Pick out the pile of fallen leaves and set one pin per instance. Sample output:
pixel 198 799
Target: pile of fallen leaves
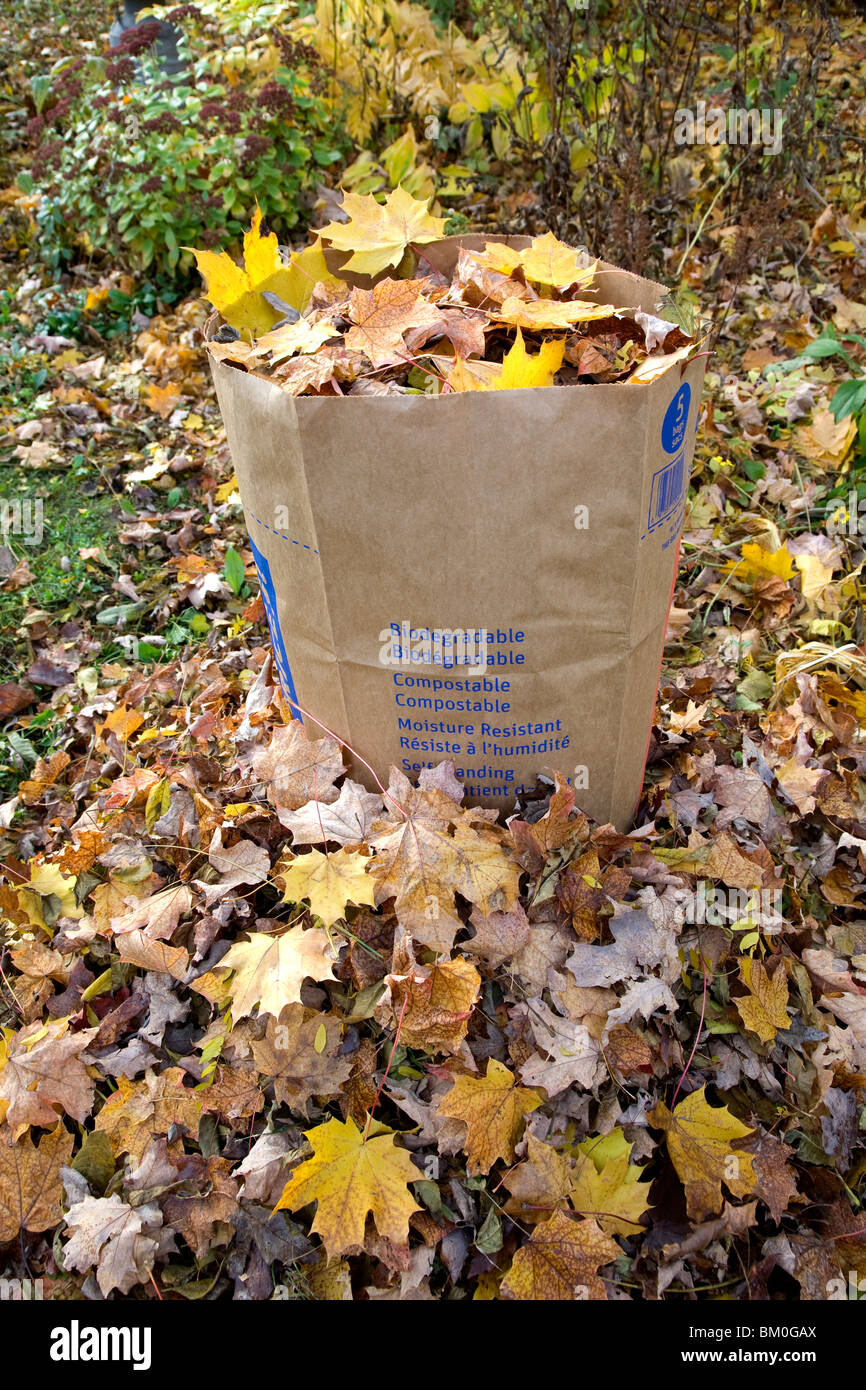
pixel 298 322
pixel 281 1035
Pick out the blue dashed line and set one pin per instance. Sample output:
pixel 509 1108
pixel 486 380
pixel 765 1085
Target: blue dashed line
pixel 282 535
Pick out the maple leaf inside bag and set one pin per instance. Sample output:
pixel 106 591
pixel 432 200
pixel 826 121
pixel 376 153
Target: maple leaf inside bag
pixel 483 576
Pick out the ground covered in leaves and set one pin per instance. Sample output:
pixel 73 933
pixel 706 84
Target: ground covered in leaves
pixel 267 1033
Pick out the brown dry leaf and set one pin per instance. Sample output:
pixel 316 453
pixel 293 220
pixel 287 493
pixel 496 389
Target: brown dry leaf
pixel 572 1051
pixel 31 1188
pixel 741 795
pixel 584 892
pixel 435 1003
pixel 298 769
pixel 561 1261
pixel 44 1070
pixel 137 948
pixel 302 374
pixel 542 1184
pixel 499 936
pixel 139 1111
pixel 382 315
pixel 424 858
pixel 45 774
pixel 557 829
pixel 235 1093
pixel 299 1053
pixel 776 1180
pixel 207 1218
pixel 347 820
pixel 494 1111
pixel 40 968
pixel 730 864
pixel 157 916
pixel 700 1143
pixel 463 329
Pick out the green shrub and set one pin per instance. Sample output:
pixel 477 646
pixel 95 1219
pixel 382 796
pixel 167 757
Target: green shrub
pixel 128 155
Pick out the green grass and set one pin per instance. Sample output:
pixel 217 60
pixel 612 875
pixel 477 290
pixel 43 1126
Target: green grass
pixel 64 585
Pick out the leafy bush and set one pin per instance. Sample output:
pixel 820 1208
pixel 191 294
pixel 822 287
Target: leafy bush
pixel 127 154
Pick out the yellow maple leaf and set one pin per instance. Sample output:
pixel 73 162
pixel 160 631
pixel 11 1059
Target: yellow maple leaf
pixel 329 881
pixel 349 1178
pixel 307 269
pixel 519 369
pixel 162 400
pixel 378 234
pixel 827 440
pixel 237 292
pixel 549 261
pixel 763 564
pixel 271 969
pixel 493 1110
pixel 222 494
pixel 607 1186
pixel 560 1261
pixel 303 336
pixel 48 881
pixel 765 1007
pixel 540 314
pixel 700 1140
pixel 815 578
pixel 498 256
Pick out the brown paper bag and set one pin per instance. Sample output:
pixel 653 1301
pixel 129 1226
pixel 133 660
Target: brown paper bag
pixel 484 576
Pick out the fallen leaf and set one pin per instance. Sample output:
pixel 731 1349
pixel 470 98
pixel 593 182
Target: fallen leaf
pixel 382 315
pixel 700 1143
pixel 561 1260
pixel 494 1111
pixel 349 1178
pixel 329 882
pixel 44 1070
pixel 269 970
pixel 765 1007
pixel 108 1233
pixel 31 1187
pixel 378 234
pixel 297 769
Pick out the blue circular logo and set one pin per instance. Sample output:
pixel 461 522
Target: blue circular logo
pixel 676 419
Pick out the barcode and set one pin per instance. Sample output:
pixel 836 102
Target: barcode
pixel 668 487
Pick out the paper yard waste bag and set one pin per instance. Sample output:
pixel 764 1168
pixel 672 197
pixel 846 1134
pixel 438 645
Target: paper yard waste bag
pixel 481 576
